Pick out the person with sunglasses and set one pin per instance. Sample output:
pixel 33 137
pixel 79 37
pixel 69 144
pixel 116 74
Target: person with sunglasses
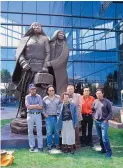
pixel 51 107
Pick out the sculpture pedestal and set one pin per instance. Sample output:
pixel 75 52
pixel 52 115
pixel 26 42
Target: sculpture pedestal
pixel 12 140
pixel 19 126
pixel 77 139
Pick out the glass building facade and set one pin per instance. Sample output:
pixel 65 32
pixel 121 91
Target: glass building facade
pixel 94 32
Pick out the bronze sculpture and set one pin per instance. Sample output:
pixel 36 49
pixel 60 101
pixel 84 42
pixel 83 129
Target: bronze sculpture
pixel 31 55
pixel 57 64
pixel 38 62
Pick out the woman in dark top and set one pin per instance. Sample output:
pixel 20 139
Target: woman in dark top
pixel 67 122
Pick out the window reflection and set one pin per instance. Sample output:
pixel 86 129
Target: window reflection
pixel 94 55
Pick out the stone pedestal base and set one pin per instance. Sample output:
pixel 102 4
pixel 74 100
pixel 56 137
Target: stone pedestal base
pixel 19 126
pixel 12 140
pixel 77 139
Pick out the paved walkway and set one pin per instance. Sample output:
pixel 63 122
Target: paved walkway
pixel 8 112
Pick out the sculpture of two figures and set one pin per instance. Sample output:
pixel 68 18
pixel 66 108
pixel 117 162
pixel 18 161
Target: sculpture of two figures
pixel 41 62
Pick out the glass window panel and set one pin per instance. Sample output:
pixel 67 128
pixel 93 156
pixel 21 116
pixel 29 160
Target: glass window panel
pixel 56 7
pixel 69 39
pixel 121 38
pixel 12 35
pixel 85 22
pixel 11 6
pixel 110 11
pixel 4 53
pixel 25 29
pixel 87 39
pixel 3 29
pixel 57 20
pixel 14 18
pixel 70 56
pixel 100 45
pixel 51 31
pixel 96 8
pixel 88 10
pixel 119 9
pixel 98 23
pixel 67 21
pixel 87 56
pixel 29 6
pixel 109 24
pixel 70 71
pixel 43 7
pixel 7 53
pixel 4 5
pixel 77 70
pixel 77 55
pixel 111 41
pixel 3 42
pixel 76 7
pixel 14 6
pixel 67 7
pixel 76 22
pixel 9 65
pixel 3 18
pixel 29 19
pixel 100 56
pixel 43 20
pixel 112 56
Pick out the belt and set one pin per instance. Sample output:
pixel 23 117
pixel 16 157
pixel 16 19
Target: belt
pixel 35 113
pixel 52 115
pixel 99 119
pixel 87 114
pixel 67 120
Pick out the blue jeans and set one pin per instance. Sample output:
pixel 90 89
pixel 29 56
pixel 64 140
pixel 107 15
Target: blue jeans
pixel 51 122
pixel 102 131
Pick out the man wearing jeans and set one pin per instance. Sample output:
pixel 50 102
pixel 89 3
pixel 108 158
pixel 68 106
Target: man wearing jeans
pixel 34 106
pixel 102 112
pixel 51 110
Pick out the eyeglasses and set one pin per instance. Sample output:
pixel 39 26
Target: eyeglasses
pixel 51 90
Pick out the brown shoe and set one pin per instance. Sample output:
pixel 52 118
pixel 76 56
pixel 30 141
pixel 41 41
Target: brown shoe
pixel 65 149
pixel 72 149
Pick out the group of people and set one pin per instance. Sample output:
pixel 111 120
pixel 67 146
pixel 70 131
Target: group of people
pixel 66 115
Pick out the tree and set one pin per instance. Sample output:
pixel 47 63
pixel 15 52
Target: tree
pixel 6 79
pixel 5 76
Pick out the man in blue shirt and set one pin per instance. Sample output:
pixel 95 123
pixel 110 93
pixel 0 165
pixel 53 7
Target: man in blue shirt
pixel 102 113
pixel 51 111
pixel 34 106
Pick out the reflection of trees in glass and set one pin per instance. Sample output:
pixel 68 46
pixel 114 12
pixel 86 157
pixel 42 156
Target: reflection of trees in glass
pixel 110 87
pixel 79 85
pixel 5 76
pixel 7 95
pixel 6 79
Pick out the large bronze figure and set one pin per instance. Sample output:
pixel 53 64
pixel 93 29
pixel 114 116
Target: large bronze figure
pixel 38 61
pixel 59 57
pixel 31 56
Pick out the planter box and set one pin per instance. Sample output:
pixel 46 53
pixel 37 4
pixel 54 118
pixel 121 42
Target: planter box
pixel 115 124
